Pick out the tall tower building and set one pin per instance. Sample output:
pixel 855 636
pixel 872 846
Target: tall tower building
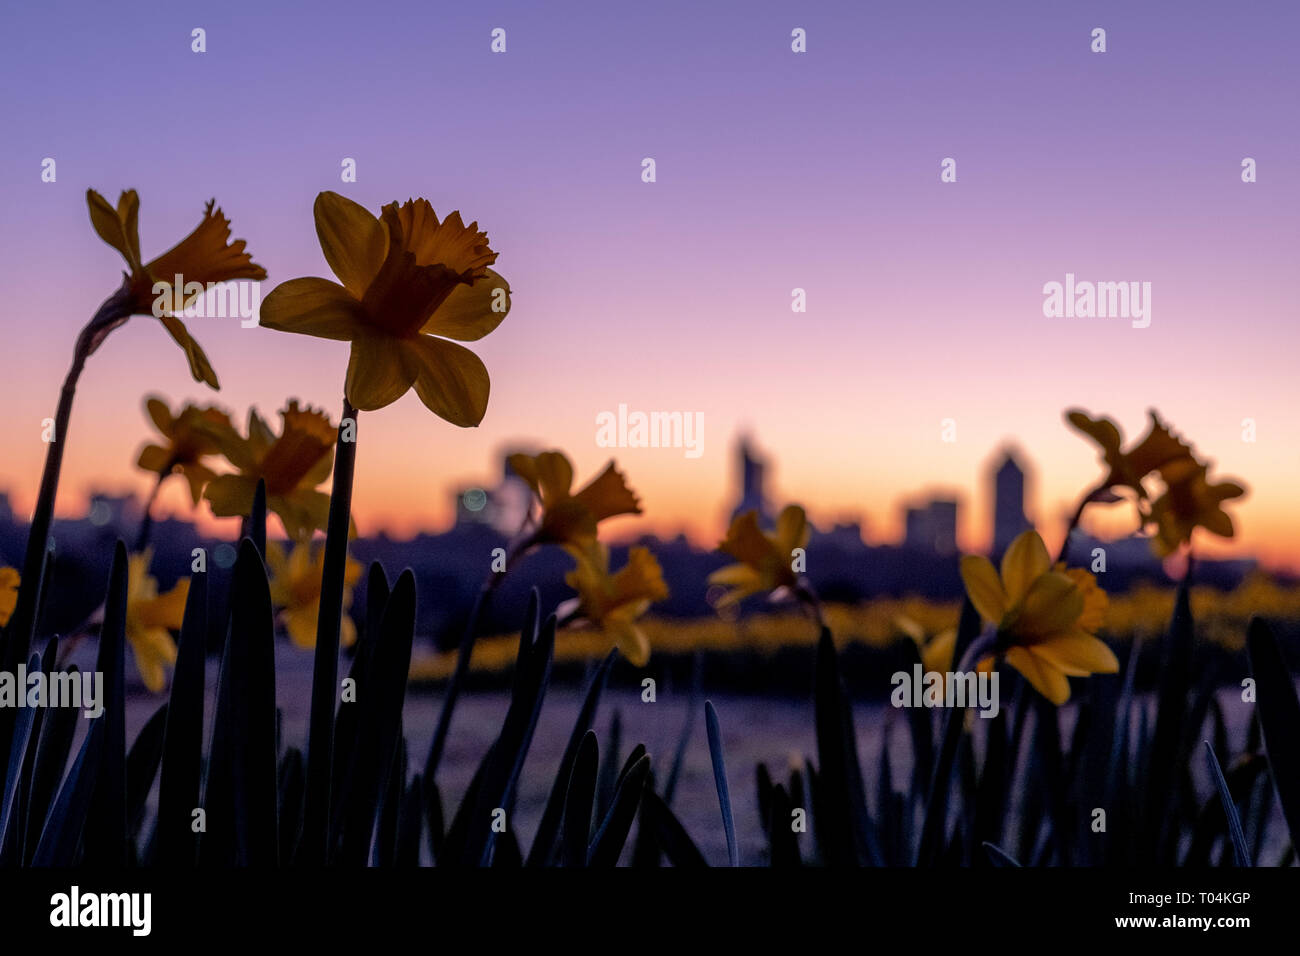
pixel 752 496
pixel 1008 502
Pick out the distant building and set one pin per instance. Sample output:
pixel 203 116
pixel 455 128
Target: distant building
pixel 932 527
pixel 1008 502
pixel 752 496
pixel 502 508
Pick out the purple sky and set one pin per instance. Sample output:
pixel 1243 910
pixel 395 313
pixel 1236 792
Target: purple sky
pixel 775 171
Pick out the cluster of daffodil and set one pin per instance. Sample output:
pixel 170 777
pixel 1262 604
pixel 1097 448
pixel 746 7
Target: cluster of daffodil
pixel 613 602
pixel 292 465
pixel 1046 617
pixel 205 256
pixel 1186 498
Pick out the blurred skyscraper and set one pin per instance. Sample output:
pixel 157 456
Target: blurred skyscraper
pixel 752 496
pixel 1008 502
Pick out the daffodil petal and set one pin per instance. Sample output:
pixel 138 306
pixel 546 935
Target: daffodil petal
pixel 450 379
pixel 471 311
pixel 230 496
pixel 746 542
pixel 791 529
pixel 631 641
pixel 200 367
pixel 1078 654
pixel 983 587
pixel 108 226
pixel 354 240
pixel 153 458
pixel 1054 604
pixel 1025 561
pixel 300 623
pixel 378 373
pixel 313 307
pixel 736 575
pixel 1045 678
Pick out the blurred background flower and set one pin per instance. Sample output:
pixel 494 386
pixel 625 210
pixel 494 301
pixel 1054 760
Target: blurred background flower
pixel 296 590
pixel 569 518
pixel 150 619
pixel 292 464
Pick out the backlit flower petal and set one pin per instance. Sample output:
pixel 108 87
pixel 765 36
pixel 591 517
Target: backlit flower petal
pixel 377 374
pixel 1045 678
pixel 111 226
pixel 746 542
pixel 1025 561
pixel 792 530
pixel 549 474
pixel 313 307
pixel 230 496
pixel 1054 604
pixel 1078 654
pixel 471 311
pixel 983 587
pixel 200 367
pixel 354 241
pixel 450 379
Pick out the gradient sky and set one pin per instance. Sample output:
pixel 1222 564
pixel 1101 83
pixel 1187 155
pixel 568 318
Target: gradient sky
pixel 775 171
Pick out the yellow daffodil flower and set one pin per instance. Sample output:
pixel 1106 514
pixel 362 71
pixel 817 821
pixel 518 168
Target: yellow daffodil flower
pixel 9 580
pixel 188 440
pixel 765 559
pixel 1046 617
pixel 613 602
pixel 296 587
pixel 292 464
pixel 150 619
pixel 1158 448
pixel 205 256
pixel 570 518
pixel 410 284
pixel 1190 501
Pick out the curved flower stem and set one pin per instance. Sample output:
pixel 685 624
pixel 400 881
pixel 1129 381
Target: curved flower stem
pixel 146 521
pixel 1074 521
pixel 22 625
pixel 313 849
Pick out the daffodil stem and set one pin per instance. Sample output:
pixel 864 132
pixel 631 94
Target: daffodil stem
pixel 22 624
pixel 1074 522
pixel 146 520
pixel 313 849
